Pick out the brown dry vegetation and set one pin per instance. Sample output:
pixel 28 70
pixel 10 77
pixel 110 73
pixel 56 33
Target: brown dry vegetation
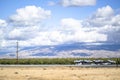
pixel 58 73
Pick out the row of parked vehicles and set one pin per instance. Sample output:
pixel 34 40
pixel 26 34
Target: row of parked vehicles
pixel 94 62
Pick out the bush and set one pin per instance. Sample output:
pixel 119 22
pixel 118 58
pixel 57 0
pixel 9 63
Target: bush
pixel 52 60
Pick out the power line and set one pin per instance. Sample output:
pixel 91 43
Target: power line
pixel 17 51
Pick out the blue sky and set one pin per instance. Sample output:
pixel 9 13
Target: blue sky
pixel 54 22
pixel 9 7
pixel 58 12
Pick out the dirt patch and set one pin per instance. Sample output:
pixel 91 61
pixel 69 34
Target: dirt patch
pixel 59 73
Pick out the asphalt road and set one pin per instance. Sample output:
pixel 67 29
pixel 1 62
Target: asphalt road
pixel 59 65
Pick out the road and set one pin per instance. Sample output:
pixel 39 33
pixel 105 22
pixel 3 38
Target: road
pixel 59 65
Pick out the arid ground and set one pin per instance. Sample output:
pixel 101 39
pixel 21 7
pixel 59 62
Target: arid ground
pixel 58 73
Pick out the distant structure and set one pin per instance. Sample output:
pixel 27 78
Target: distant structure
pixel 94 62
pixel 17 52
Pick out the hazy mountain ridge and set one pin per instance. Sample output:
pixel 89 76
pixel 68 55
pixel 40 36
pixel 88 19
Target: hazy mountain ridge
pixel 69 50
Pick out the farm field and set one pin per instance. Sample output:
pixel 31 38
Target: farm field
pixel 58 73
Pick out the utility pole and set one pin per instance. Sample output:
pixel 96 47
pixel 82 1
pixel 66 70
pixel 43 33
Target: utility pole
pixel 17 52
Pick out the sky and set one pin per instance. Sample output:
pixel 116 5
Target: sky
pixel 54 22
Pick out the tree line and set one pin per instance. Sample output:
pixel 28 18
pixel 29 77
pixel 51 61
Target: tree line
pixel 52 61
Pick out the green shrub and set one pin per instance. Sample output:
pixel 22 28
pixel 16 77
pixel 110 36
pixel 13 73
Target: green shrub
pixel 51 60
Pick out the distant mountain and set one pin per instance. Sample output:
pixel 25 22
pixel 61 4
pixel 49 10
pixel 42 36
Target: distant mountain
pixel 70 50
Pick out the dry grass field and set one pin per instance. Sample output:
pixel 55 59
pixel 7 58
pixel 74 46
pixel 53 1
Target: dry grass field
pixel 58 73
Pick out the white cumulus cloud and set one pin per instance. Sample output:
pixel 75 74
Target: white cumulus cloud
pixel 30 15
pixel 69 23
pixel 106 11
pixel 23 33
pixel 76 30
pixel 67 3
pixel 101 17
pixel 3 23
pixel 105 21
pixel 70 30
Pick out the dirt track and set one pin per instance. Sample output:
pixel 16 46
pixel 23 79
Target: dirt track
pixel 58 73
